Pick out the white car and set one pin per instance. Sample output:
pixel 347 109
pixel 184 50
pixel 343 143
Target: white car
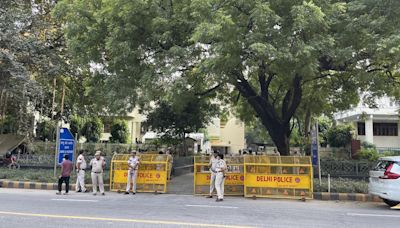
pixel 384 180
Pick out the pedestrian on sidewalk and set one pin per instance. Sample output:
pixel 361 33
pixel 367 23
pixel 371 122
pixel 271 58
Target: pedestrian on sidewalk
pixel 98 164
pixel 220 168
pixel 66 169
pixel 133 164
pixel 212 166
pixel 80 172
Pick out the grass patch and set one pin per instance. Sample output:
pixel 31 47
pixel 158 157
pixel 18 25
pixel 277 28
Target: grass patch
pixel 341 185
pixel 43 175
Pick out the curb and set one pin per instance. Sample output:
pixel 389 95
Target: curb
pixel 317 195
pixel 346 197
pixel 41 186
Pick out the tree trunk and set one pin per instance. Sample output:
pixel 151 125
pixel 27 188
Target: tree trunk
pixel 276 122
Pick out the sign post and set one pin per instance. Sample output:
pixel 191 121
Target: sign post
pixel 66 145
pixel 314 149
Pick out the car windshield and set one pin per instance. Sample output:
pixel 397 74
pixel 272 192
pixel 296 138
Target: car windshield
pixel 382 165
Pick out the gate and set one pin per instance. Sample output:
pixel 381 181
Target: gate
pixel 152 173
pixel 234 179
pixel 278 177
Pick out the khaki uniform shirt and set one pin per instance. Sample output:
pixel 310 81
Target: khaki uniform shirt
pixel 97 165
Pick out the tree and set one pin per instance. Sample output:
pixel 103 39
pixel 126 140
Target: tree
pixel 46 130
pixel 92 129
pixel 119 131
pixel 278 58
pixel 181 114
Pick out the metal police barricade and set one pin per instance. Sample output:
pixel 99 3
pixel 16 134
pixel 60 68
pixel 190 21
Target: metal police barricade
pixel 151 177
pixel 234 178
pixel 278 177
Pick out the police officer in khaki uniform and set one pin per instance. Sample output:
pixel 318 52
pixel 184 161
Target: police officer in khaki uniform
pixel 133 164
pixel 212 166
pixel 98 164
pixel 220 168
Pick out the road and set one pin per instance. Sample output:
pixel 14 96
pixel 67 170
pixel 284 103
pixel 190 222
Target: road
pixel 40 208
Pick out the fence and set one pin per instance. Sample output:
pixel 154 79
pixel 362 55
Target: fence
pixel 152 173
pixel 349 169
pixel 234 177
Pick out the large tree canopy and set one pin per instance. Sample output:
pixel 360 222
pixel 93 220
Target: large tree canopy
pixel 273 59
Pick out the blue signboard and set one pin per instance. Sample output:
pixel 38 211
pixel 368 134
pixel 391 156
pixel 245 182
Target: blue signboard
pixel 314 146
pixel 66 145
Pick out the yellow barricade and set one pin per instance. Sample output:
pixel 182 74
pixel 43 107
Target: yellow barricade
pixel 278 177
pixel 152 173
pixel 234 179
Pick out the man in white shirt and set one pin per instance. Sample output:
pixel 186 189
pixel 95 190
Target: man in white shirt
pixel 80 172
pixel 212 165
pixel 133 164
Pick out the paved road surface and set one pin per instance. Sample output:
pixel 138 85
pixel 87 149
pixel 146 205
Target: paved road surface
pixel 39 208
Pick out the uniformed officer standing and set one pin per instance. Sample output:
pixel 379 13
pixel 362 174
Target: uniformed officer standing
pixel 220 168
pixel 80 172
pixel 98 163
pixel 212 165
pixel 133 164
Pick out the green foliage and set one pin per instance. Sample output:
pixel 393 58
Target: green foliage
pixel 256 133
pixel 92 129
pixel 182 113
pixel 368 145
pixel 76 125
pixel 340 135
pixel 272 59
pixel 342 185
pixel 324 124
pixel 369 154
pixel 119 131
pixel 46 130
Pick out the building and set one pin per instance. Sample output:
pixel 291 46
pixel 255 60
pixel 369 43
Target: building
pixel 378 125
pixel 134 120
pixel 226 135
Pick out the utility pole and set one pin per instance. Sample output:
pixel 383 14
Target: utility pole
pixel 59 123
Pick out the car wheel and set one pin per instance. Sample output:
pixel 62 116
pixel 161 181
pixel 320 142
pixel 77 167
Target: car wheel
pixel 390 202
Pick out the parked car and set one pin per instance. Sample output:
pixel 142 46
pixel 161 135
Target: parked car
pixel 384 180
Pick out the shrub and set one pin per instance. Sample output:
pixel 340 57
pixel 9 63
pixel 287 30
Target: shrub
pixel 340 136
pixel 92 129
pixel 369 154
pixel 119 131
pixel 46 130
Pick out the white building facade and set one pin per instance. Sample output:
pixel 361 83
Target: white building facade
pixel 379 125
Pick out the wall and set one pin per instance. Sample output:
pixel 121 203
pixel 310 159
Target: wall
pixel 233 135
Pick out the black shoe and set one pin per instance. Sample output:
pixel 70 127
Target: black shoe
pixel 103 194
pixel 208 196
pixel 126 193
pixel 79 190
pixel 86 191
pixel 133 193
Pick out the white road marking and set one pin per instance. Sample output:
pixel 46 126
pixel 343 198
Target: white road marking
pixel 210 206
pixel 75 200
pixel 373 215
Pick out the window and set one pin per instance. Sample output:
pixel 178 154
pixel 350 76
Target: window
pixel 361 128
pixel 385 129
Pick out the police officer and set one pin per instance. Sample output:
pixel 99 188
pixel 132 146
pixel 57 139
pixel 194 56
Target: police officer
pixel 133 164
pixel 80 172
pixel 220 168
pixel 98 164
pixel 212 165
